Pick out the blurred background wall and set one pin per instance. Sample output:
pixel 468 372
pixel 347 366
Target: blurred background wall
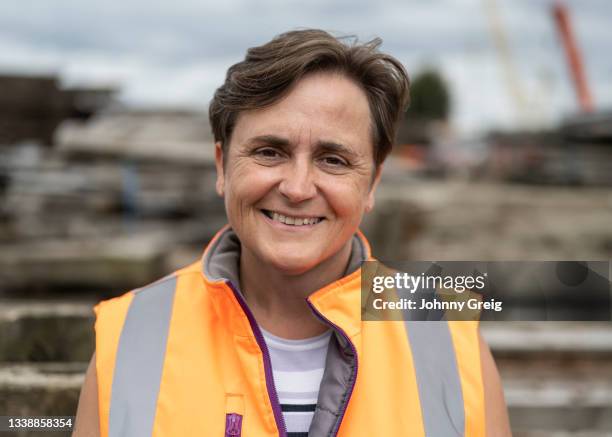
pixel 107 171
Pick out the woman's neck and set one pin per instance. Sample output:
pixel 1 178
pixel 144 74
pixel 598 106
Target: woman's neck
pixel 278 299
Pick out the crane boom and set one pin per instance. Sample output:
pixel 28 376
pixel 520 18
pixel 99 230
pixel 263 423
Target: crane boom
pixel 572 54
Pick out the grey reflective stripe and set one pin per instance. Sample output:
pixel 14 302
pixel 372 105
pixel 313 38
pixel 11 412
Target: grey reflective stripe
pixel 438 378
pixel 140 359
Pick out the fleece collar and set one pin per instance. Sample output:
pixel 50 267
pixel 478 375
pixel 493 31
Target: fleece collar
pixel 338 301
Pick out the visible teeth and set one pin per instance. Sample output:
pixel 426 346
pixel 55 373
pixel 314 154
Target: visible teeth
pixel 295 221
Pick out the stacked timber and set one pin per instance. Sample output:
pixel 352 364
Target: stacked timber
pixel 31 107
pixel 110 205
pixel 578 152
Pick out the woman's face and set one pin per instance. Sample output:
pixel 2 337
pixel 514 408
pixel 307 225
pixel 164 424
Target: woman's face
pixel 299 175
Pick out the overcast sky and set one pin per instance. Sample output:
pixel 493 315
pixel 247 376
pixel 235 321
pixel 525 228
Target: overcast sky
pixel 175 53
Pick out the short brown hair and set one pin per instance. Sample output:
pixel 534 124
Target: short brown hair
pixel 268 73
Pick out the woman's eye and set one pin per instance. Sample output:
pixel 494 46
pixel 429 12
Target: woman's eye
pixel 334 161
pixel 267 153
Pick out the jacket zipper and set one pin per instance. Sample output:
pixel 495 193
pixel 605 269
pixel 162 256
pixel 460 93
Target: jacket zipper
pixel 271 388
pixel 233 425
pixel 353 375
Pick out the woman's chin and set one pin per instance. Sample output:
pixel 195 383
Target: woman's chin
pixel 293 264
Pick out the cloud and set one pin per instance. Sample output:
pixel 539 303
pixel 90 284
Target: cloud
pixel 176 53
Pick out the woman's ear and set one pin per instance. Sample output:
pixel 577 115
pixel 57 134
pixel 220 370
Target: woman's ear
pixel 369 206
pixel 220 184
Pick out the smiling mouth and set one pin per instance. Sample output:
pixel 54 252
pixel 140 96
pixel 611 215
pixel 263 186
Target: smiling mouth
pixel 292 220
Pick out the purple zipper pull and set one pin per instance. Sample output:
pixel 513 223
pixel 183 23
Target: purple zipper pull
pixel 233 425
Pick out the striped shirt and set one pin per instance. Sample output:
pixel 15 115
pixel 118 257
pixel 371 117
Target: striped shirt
pixel 297 366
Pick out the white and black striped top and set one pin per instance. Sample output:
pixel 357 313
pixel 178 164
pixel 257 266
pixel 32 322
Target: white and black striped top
pixel 297 366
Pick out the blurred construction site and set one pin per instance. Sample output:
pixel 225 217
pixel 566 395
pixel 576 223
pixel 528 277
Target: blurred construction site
pixel 97 198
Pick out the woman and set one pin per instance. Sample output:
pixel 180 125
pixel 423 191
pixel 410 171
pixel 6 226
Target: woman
pixel 263 336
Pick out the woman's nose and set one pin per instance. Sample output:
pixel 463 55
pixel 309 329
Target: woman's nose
pixel 298 183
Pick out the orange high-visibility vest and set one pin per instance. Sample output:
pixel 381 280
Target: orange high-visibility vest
pixel 184 357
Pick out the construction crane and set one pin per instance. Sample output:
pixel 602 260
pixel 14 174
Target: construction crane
pixel 572 54
pixel 507 62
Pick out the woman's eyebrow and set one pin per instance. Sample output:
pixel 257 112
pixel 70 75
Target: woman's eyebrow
pixel 270 140
pixel 330 146
pixel 284 143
